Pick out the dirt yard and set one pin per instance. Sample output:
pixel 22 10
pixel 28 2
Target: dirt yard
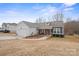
pixel 4 36
pixel 50 47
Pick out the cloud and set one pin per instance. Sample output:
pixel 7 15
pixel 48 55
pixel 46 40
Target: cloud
pixel 69 4
pixel 11 12
pixel 68 9
pixel 48 10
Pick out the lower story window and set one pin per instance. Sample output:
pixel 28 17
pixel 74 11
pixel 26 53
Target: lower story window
pixel 57 30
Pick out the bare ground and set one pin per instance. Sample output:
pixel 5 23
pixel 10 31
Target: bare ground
pixel 54 46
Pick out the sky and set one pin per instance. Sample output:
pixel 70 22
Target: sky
pixel 16 12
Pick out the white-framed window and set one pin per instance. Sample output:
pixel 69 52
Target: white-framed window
pixel 57 30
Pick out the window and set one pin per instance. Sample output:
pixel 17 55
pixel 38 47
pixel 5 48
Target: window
pixel 54 31
pixel 57 30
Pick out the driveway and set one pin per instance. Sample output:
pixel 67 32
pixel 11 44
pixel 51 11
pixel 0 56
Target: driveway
pixel 10 36
pixel 4 36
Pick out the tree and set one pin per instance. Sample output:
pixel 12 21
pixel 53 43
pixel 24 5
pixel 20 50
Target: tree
pixel 72 27
pixel 58 17
pixel 39 20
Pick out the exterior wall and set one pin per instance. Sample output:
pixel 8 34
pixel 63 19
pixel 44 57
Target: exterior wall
pixel 11 28
pixel 24 31
pixel 4 26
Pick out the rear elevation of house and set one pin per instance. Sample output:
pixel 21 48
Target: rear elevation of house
pixel 55 28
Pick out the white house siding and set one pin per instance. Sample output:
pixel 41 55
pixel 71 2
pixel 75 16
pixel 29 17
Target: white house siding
pixel 24 30
pixel 33 31
pixel 11 28
pixel 4 26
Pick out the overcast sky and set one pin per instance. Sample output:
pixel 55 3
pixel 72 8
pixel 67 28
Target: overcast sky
pixel 16 12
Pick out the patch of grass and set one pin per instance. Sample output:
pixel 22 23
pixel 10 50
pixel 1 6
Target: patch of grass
pixel 74 38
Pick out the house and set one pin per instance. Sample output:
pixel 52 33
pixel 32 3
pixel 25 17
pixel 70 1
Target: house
pixel 9 26
pixel 25 29
pixel 55 28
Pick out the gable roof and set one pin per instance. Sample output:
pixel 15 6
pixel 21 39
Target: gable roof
pixel 46 25
pixel 9 24
pixel 29 24
pixel 57 24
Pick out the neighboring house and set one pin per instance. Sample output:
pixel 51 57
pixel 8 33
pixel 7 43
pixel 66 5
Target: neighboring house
pixel 1 29
pixel 25 29
pixel 9 26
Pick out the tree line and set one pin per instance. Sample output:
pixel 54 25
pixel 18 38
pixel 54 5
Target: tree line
pixel 71 27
